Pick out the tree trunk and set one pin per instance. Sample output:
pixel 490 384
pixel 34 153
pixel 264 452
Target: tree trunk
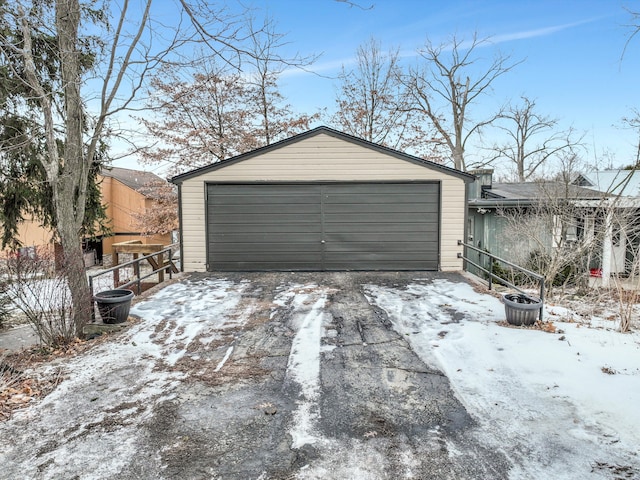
pixel 458 158
pixel 70 183
pixel 521 177
pixel 73 265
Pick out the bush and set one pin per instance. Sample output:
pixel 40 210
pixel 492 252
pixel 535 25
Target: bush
pixel 542 263
pixel 505 272
pixel 5 303
pixel 43 296
pixel 510 274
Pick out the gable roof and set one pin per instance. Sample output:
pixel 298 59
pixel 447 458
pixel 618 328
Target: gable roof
pixel 615 182
pixel 134 179
pixel 311 133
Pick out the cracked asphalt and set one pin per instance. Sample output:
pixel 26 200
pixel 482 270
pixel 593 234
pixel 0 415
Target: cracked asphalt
pixel 382 412
pixel 302 378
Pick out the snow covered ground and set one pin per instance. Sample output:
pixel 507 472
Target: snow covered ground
pixel 561 405
pixel 554 403
pixel 49 293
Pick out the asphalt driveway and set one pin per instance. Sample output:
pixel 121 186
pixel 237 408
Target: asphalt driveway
pixel 260 376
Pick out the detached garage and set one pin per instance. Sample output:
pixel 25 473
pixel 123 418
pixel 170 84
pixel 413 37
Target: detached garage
pixel 322 200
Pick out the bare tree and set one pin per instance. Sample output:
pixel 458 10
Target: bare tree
pixel 356 4
pixel 198 120
pixel 211 111
pixel 68 175
pixel 449 83
pixel 632 122
pixel 532 139
pixel 161 217
pixel 558 232
pixel 634 27
pixel 567 230
pixel 134 48
pixel 373 104
pixel 276 119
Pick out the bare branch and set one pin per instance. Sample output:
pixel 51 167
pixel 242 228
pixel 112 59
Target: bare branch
pixel 354 4
pixel 533 139
pixel 373 104
pixel 635 29
pixel 446 84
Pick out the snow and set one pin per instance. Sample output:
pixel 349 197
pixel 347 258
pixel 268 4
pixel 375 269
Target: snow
pixel 303 366
pixel 224 359
pixel 188 313
pixel 98 385
pixel 531 391
pixel 50 293
pixel 551 402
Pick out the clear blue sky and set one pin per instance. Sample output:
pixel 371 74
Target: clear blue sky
pixel 571 50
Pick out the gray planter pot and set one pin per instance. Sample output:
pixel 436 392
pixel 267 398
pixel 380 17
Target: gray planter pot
pixel 114 305
pixel 521 309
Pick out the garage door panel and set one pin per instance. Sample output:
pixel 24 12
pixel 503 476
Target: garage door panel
pixel 249 199
pixel 356 264
pixel 264 227
pixel 397 250
pixel 258 260
pixel 360 257
pixel 399 238
pixel 383 226
pixel 263 193
pixel 274 258
pixel 242 228
pixel 371 217
pixel 397 208
pixel 376 227
pixel 354 189
pixel 293 250
pixel 374 197
pixel 256 239
pixel 267 209
pixel 267 219
pixel 242 266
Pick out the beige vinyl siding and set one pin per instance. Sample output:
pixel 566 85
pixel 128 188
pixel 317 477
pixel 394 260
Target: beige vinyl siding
pixel 321 158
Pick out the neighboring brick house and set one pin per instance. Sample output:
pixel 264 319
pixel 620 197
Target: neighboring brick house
pixel 125 194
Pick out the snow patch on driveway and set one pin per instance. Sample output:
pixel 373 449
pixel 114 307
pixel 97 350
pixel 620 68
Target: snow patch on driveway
pixel 303 366
pixel 546 401
pixel 186 312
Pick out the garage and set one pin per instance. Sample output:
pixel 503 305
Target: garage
pixel 342 226
pixel 322 200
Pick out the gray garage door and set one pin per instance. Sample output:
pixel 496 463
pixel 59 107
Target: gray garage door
pixel 344 226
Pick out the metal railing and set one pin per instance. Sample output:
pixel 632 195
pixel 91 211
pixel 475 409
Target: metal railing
pixel 161 268
pixel 490 271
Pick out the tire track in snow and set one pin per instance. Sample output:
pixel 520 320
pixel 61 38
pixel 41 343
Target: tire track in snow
pixel 303 366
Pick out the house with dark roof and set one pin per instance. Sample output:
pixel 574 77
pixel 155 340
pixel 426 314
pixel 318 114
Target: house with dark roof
pixel 621 250
pixel 517 220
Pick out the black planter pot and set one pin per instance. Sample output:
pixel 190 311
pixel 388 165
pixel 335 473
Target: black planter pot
pixel 114 305
pixel 521 309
